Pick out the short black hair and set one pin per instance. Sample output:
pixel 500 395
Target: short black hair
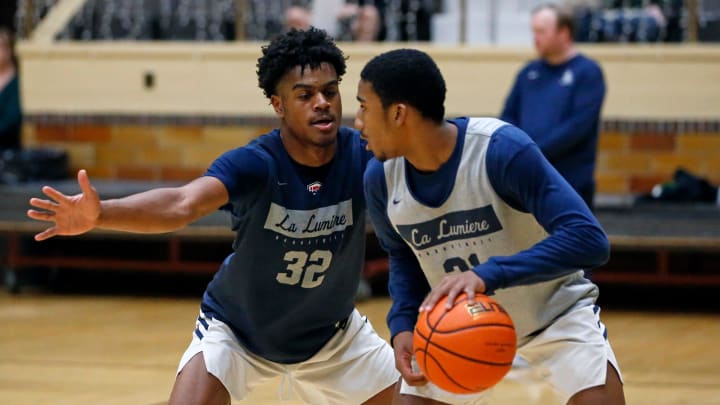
pixel 304 48
pixel 408 76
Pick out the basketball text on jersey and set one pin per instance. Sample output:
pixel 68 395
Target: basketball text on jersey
pixel 451 226
pixel 303 224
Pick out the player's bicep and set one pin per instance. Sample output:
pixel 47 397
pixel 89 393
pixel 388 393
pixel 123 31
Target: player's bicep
pixel 204 195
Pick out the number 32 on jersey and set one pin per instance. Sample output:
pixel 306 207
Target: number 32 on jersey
pixel 306 269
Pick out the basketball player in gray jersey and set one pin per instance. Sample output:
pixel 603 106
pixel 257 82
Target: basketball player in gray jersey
pixel 471 205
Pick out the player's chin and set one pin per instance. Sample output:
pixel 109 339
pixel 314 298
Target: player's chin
pixel 324 139
pixel 378 154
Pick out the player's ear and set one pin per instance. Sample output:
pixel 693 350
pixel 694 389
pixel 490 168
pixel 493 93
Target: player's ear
pixel 399 113
pixel 277 105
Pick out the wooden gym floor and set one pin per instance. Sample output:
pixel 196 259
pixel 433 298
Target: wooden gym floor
pixel 108 347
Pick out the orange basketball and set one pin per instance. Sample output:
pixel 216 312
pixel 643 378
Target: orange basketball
pixel 465 349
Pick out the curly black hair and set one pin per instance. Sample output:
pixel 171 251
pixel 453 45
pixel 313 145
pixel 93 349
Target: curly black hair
pixel 408 76
pixel 308 48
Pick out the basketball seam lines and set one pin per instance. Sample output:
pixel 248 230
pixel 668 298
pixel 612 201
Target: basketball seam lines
pixel 432 330
pixel 437 363
pixel 427 341
pixel 490 363
pixel 446 332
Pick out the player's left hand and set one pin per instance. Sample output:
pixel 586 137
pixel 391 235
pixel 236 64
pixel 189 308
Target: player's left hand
pixel 453 285
pixel 403 346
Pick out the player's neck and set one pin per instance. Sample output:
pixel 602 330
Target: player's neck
pixel 433 145
pixel 305 153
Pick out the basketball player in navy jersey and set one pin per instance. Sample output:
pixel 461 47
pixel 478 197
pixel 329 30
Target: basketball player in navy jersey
pixel 471 205
pixel 282 304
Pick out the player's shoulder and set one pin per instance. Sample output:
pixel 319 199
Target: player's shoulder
pixel 376 170
pixel 483 126
pixel 501 133
pixel 267 142
pixel 513 134
pixel 251 152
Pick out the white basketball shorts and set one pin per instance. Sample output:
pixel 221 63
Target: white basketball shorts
pixel 351 368
pixel 571 355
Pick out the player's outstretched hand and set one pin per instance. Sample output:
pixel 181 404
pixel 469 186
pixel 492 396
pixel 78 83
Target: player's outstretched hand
pixel 72 215
pixel 453 285
pixel 403 346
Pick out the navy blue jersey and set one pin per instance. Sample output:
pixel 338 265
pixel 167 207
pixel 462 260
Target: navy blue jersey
pixel 299 248
pixel 559 107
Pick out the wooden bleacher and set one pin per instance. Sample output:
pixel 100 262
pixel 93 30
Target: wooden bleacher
pixel 661 243
pixel 651 243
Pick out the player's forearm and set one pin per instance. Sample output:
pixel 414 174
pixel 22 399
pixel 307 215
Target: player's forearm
pixel 155 211
pixel 563 253
pixel 407 286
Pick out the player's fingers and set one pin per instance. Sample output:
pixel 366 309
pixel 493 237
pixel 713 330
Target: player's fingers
pixel 41 215
pixel 43 204
pixel 84 182
pixel 470 294
pixel 54 194
pixel 405 369
pixel 415 380
pixel 46 234
pixel 429 302
pixel 410 375
pixel 452 295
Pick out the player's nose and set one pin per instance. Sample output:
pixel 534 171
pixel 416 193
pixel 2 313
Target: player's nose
pixel 359 124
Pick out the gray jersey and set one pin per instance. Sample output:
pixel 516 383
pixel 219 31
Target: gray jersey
pixel 473 224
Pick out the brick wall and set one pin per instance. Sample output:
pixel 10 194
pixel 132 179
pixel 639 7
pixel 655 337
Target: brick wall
pixel 632 156
pixel 142 151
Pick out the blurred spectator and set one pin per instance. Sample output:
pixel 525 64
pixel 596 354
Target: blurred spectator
pixel 362 20
pixel 298 17
pixel 411 20
pixel 627 20
pixel 10 111
pixel 557 100
pixel 392 20
pixel 215 20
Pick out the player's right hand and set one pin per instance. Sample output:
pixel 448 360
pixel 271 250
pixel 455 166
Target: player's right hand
pixel 403 345
pixel 72 215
